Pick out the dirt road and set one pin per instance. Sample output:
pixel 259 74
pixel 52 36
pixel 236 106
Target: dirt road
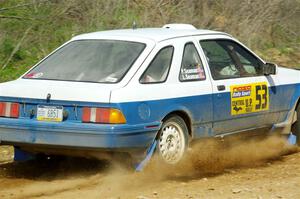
pixel 212 169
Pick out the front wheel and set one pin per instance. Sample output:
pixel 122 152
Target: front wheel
pixel 172 140
pixel 296 126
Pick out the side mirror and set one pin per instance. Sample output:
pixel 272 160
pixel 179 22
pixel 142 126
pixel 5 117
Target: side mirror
pixel 269 69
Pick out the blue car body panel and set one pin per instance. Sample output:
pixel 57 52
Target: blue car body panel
pixel 143 120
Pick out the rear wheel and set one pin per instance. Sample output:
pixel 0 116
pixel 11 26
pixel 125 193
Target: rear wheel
pixel 296 126
pixel 172 140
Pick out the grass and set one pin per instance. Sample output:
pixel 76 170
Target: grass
pixel 274 35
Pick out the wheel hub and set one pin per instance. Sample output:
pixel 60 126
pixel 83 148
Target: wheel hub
pixel 171 143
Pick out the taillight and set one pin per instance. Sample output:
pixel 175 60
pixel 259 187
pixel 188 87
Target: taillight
pixel 103 115
pixel 9 109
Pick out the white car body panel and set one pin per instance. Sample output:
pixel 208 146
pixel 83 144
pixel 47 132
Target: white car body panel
pixel 135 91
pixel 59 90
pixel 287 76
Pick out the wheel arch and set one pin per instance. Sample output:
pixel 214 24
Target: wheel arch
pixel 296 106
pixel 297 103
pixel 186 118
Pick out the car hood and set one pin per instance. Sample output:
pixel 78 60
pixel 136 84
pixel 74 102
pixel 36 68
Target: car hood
pixel 288 75
pixel 59 90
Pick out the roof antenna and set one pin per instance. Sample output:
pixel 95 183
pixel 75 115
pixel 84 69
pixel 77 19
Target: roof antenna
pixel 134 25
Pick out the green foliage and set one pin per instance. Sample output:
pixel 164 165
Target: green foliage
pixel 262 25
pixel 7 47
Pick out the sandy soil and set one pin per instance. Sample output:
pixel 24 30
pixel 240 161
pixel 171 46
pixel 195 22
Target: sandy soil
pixel 233 168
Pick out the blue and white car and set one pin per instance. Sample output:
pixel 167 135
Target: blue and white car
pixel 123 90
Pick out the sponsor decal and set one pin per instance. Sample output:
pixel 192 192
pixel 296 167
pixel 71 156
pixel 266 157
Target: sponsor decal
pixel 249 98
pixel 193 74
pixel 34 75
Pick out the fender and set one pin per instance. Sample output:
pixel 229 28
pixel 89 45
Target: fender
pixel 291 118
pixel 296 98
pixel 199 128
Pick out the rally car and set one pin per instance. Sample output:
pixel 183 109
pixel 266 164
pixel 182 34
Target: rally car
pixel 124 90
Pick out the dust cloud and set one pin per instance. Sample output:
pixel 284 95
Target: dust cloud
pixel 205 158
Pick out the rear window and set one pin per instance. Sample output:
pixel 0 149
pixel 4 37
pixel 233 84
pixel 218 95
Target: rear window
pixel 103 61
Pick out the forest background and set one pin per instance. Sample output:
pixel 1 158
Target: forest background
pixel 30 29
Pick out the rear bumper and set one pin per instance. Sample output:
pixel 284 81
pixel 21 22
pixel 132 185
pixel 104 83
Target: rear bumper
pixel 77 135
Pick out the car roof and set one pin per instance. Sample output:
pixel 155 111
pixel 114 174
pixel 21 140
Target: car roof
pixel 155 34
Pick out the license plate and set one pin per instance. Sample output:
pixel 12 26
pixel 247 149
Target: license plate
pixel 50 113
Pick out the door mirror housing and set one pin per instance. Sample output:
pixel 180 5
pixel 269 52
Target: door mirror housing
pixel 270 69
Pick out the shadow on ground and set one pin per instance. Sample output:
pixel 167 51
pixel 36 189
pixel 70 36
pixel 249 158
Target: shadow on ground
pixel 53 168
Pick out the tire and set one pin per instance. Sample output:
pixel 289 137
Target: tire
pixel 172 140
pixel 296 126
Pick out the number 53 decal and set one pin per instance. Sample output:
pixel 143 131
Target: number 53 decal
pixel 249 98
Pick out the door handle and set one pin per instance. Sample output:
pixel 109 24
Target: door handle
pixel 221 87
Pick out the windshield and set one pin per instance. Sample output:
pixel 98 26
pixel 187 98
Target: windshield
pixel 105 61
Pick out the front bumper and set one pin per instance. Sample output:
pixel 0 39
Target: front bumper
pixel 77 134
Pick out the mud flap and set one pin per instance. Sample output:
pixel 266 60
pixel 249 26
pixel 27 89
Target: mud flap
pixel 292 139
pixel 140 166
pixel 21 156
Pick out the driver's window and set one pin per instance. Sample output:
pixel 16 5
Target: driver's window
pixel 249 63
pixel 191 65
pixel 220 62
pixel 228 59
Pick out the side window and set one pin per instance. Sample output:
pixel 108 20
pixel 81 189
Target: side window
pixel 249 63
pixel 228 59
pixel 191 65
pixel 159 67
pixel 220 63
